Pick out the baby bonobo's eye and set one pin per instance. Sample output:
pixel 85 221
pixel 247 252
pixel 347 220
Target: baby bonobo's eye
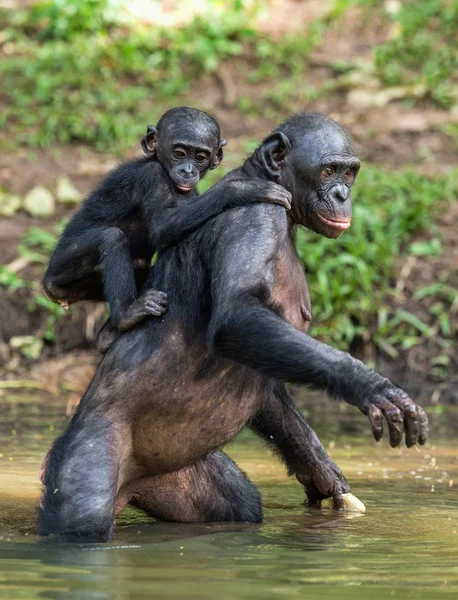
pixel 201 157
pixel 179 153
pixel 327 173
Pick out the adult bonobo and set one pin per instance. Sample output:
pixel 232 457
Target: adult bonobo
pixel 144 204
pixel 171 392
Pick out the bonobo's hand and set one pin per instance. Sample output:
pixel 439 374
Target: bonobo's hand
pixel 400 412
pixel 152 303
pixel 272 193
pixel 258 190
pixel 321 480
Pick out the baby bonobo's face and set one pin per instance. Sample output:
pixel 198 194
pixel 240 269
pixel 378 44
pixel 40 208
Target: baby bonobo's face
pixel 186 162
pixel 187 147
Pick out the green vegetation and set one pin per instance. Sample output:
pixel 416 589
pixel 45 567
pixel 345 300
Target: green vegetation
pixel 423 51
pixel 72 72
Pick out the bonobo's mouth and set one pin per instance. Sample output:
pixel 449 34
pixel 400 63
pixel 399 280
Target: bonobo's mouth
pixel 335 224
pixel 184 188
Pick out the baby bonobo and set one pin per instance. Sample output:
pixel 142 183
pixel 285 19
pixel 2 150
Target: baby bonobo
pixel 145 204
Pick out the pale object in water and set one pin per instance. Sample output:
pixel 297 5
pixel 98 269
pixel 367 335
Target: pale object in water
pixel 351 504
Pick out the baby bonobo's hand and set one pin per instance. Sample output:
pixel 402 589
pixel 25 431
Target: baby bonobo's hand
pixel 152 303
pixel 272 193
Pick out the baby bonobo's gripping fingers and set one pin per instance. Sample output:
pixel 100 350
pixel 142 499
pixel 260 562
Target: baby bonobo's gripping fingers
pixel 152 303
pixel 402 416
pixel 275 194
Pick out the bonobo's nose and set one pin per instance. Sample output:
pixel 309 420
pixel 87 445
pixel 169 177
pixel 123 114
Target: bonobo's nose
pixel 339 193
pixel 187 171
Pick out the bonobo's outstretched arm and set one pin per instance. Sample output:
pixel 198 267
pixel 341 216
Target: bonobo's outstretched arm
pixel 284 428
pixel 246 328
pixel 169 224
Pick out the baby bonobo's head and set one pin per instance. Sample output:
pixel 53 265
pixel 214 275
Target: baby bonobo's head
pixel 187 143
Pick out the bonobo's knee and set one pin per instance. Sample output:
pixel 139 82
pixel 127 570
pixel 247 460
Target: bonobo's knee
pixel 242 500
pixel 52 289
pixel 80 485
pixel 113 237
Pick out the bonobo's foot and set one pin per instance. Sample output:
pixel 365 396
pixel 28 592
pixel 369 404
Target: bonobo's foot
pixel 401 414
pixel 322 480
pixel 106 336
pixel 152 303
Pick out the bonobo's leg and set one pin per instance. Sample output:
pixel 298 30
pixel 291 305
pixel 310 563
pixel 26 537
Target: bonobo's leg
pixel 283 427
pixel 212 489
pixel 81 479
pixel 73 272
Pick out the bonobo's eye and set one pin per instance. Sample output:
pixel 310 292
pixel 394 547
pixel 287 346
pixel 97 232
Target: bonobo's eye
pixel 327 173
pixel 349 176
pixel 201 157
pixel 179 153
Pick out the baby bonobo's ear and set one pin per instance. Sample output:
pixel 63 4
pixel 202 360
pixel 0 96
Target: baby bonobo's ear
pixel 273 152
pixel 219 155
pixel 149 141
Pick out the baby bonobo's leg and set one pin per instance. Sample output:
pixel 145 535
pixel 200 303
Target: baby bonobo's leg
pixel 212 489
pixel 74 271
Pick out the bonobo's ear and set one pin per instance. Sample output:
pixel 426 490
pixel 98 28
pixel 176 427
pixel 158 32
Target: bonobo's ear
pixel 219 155
pixel 273 152
pixel 149 141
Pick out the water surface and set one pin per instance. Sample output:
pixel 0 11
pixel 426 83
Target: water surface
pixel 405 546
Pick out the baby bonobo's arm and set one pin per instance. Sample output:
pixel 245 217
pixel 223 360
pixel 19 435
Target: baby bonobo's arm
pixel 174 223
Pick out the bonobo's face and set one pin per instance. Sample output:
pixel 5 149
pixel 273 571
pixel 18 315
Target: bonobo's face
pixel 187 144
pixel 325 167
pixel 313 158
pixel 186 160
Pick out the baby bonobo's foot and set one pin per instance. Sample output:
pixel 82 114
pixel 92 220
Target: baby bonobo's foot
pixel 106 337
pixel 152 303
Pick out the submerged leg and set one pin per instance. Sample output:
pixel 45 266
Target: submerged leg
pixel 81 480
pixel 284 428
pixel 212 489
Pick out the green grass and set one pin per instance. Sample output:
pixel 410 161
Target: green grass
pixel 423 50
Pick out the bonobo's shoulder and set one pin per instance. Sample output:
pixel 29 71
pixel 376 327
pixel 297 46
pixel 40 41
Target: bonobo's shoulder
pixel 257 219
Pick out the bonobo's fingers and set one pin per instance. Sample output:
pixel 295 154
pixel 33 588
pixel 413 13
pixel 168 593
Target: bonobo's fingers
pixel 411 422
pixel 395 421
pixel 401 414
pixel 276 194
pixel 155 301
pixel 324 480
pixel 376 420
pixel 424 426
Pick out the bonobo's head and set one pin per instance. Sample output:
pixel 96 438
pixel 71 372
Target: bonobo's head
pixel 187 143
pixel 313 158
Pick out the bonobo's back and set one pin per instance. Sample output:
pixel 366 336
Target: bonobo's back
pixel 186 271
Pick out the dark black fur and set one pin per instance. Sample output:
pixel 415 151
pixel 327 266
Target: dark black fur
pixel 175 390
pixel 146 203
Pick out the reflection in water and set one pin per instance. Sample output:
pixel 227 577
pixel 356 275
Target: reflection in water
pixel 406 546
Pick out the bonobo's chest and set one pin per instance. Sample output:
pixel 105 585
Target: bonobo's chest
pixel 290 293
